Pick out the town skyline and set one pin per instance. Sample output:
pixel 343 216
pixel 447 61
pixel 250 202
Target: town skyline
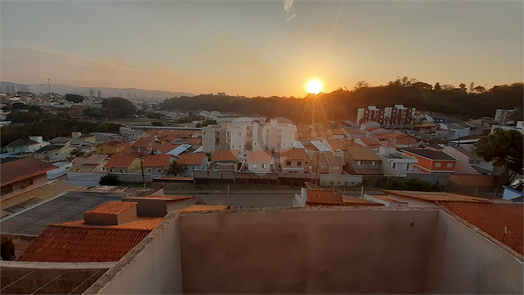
pixel 261 48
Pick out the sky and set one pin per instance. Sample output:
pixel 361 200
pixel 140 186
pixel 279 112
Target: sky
pixel 260 48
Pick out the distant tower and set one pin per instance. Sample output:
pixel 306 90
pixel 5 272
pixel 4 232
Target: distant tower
pixel 49 84
pixel 99 93
pixel 91 93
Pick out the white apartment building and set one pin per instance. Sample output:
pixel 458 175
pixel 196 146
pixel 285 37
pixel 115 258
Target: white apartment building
pixel 502 116
pixel 224 137
pixel 274 135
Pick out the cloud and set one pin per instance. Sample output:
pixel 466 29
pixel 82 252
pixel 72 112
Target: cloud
pixel 289 9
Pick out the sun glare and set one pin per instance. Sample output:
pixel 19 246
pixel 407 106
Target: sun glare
pixel 314 86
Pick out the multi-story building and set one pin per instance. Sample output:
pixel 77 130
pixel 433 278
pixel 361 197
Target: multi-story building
pixel 502 116
pixel 246 136
pixel 390 117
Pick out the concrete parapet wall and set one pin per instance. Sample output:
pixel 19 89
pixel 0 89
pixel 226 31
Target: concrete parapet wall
pixel 472 180
pixel 433 178
pixel 339 180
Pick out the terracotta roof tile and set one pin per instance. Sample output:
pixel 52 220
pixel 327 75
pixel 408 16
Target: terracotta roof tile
pixel 437 196
pixel 143 142
pixel 359 153
pixel 225 156
pixel 336 144
pixel 170 198
pixel 323 197
pixel 111 208
pixel 294 154
pixel 146 223
pixel 114 143
pixel 120 161
pixel 337 132
pixel 59 243
pixel 192 159
pixel 165 148
pixel 494 219
pixel 157 160
pixel 22 169
pixel 194 141
pixel 259 156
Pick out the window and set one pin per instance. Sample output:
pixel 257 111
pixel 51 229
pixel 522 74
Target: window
pixel 336 167
pixel 359 163
pixel 437 165
pixel 240 134
pixel 7 189
pixel 450 165
pixel 264 166
pixel 233 146
pixel 299 163
pixel 254 166
pixel 148 169
pixel 374 163
pixel 121 171
pixel 288 163
pixel 305 163
pixel 394 165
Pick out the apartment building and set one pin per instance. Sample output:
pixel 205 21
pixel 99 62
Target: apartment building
pixel 224 137
pixel 389 117
pixel 274 136
pixel 502 116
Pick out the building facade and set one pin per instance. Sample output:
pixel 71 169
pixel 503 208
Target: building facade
pixel 389 117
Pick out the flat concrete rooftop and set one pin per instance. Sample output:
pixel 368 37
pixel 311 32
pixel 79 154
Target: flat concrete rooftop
pixel 315 250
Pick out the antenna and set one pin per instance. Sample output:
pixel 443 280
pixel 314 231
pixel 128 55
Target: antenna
pixel 49 84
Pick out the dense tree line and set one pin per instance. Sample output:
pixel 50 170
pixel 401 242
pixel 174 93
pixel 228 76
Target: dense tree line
pixel 53 126
pixel 343 103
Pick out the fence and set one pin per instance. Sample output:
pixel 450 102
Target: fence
pixel 472 180
pixel 340 180
pixel 433 178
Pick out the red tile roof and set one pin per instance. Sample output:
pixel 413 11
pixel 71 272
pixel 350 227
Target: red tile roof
pixel 323 197
pixel 337 132
pixel 359 153
pixel 143 142
pixel 120 161
pixel 111 208
pixel 259 156
pixel 437 196
pixel 166 197
pixel 336 144
pixel 165 148
pixel 493 219
pixel 371 142
pixel 225 156
pixel 21 169
pixel 195 141
pixel 294 154
pixel 157 160
pixel 114 143
pixel 147 223
pixel 59 243
pixel 192 159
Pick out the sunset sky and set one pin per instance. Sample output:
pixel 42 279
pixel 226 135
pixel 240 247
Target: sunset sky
pixel 261 48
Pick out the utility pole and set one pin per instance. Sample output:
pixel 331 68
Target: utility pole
pixel 49 84
pixel 142 167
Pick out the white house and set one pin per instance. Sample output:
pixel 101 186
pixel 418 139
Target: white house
pixel 260 161
pixel 395 163
pixel 193 162
pixel 26 145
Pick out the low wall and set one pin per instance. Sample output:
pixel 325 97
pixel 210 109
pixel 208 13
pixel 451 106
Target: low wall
pixel 211 176
pixel 132 177
pixel 84 179
pixel 20 242
pixel 152 267
pixel 463 261
pixel 472 180
pixel 304 251
pixel 379 181
pixel 433 178
pixel 339 180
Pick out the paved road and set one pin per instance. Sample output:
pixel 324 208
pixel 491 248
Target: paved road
pixel 248 200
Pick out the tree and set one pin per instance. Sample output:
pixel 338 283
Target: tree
pixel 361 84
pixel 479 89
pixel 117 108
pixel 471 87
pixel 504 147
pixel 422 85
pixel 75 153
pixel 175 168
pixel 74 98
pixel 109 179
pixel 437 87
pixel 462 87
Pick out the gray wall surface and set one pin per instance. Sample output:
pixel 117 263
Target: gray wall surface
pixel 463 261
pixel 432 178
pixel 351 251
pixel 152 267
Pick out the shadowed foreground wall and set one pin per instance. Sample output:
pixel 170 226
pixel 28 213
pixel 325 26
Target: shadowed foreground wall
pixel 306 251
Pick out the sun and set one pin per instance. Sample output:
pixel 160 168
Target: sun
pixel 314 86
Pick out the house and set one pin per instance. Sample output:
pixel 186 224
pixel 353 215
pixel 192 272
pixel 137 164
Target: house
pixel 225 160
pixel 353 133
pixel 432 160
pixel 123 164
pixel 103 136
pixel 294 160
pixel 369 142
pixel 395 163
pixel 260 161
pixel 164 148
pixel 86 171
pixel 328 162
pixel 157 165
pixel 362 161
pixel 514 191
pixel 369 125
pixel 335 144
pixel 398 139
pixel 107 233
pixel 193 162
pixel 111 147
pixel 143 145
pixel 454 130
pixel 324 197
pixel 467 161
pixel 79 137
pixel 336 134
pixel 21 175
pixel 54 152
pixel 26 145
pixel 195 141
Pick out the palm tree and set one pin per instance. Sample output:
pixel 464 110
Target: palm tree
pixel 175 168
